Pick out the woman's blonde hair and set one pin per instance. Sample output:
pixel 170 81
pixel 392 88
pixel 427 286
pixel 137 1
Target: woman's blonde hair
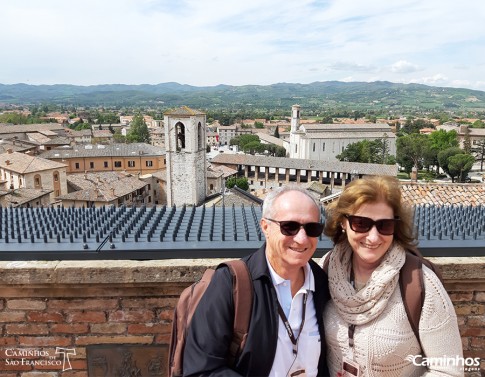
pixel 371 189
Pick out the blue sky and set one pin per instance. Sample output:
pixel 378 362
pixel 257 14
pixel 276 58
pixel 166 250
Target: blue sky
pixel 211 42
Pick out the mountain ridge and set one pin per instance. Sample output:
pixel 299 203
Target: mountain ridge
pixel 316 95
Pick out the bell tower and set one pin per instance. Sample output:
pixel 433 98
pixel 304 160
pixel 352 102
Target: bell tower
pixel 185 145
pixel 294 134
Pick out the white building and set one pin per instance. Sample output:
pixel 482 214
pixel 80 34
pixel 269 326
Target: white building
pixel 326 141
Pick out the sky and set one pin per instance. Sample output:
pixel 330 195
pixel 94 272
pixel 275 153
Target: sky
pixel 249 42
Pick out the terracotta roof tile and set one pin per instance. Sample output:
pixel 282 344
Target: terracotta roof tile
pixel 443 194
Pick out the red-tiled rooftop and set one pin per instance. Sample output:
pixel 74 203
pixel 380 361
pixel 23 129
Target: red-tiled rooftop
pixel 443 194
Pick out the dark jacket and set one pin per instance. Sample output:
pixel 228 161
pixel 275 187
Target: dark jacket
pixel 210 332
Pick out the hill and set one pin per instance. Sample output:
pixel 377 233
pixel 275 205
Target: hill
pixel 379 95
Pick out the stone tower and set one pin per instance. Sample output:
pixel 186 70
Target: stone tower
pixel 295 125
pixel 185 144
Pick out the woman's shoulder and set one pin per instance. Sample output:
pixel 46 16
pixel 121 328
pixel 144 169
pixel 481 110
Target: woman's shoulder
pixel 434 288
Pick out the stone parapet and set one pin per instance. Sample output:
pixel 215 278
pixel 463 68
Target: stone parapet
pixel 79 304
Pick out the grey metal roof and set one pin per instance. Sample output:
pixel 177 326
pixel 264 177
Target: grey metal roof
pixel 195 232
pixel 304 164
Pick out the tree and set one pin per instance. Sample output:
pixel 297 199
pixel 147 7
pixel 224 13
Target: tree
pixel 244 139
pixel 138 132
pixel 368 151
pixel 443 158
pixel 241 182
pixel 478 124
pixel 441 140
pixel 413 126
pixel 254 147
pixel 411 148
pixel 461 164
pixel 280 151
pixel 118 137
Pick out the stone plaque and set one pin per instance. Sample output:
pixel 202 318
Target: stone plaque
pixel 123 360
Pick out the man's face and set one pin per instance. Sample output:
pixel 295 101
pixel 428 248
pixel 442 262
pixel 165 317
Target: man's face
pixel 290 253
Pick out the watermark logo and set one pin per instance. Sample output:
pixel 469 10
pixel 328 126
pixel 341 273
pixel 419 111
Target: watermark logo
pixel 35 357
pixel 65 352
pixel 469 364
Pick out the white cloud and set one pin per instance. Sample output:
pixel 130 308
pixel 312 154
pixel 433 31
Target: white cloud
pixel 403 66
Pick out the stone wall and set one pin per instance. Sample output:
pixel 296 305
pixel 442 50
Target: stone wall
pixel 82 308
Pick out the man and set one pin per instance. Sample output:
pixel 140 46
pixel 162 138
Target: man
pixel 290 290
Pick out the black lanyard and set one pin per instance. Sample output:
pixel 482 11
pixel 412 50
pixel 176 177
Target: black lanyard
pixel 294 340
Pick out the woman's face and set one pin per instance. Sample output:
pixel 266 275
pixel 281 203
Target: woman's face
pixel 370 247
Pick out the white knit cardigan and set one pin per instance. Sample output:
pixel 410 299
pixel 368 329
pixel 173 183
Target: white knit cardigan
pixel 385 343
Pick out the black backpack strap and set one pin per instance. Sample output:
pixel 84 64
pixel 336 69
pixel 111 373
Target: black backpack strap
pixel 243 303
pixel 412 290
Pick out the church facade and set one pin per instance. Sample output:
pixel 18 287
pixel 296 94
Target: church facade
pixel 326 141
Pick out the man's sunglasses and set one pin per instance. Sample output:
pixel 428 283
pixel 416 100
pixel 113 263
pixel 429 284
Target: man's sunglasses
pixel 291 228
pixel 362 224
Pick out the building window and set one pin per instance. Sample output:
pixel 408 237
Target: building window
pixel 313 147
pixel 106 164
pixel 117 164
pixel 91 165
pixel 56 177
pixel 131 164
pixel 149 187
pixel 323 147
pixel 37 181
pixel 149 163
pixel 76 165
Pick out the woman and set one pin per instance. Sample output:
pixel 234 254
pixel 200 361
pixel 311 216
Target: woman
pixel 367 330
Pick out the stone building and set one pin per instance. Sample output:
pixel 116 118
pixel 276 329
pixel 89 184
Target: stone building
pixel 185 144
pixel 19 170
pixel 133 158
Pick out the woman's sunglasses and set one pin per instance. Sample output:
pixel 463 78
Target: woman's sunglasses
pixel 291 228
pixel 362 224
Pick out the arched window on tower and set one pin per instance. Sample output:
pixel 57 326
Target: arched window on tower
pixel 180 132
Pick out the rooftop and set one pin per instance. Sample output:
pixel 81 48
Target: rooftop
pixel 99 150
pixel 304 164
pixel 101 187
pixel 23 163
pixel 444 194
pixel 183 111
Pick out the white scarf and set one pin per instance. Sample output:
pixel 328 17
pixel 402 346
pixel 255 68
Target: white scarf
pixel 363 306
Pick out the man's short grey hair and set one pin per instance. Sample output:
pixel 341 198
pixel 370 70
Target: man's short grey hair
pixel 275 194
